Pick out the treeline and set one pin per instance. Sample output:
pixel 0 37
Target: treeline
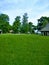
pixel 19 26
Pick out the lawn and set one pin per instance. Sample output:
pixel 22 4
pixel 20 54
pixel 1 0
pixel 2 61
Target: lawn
pixel 24 49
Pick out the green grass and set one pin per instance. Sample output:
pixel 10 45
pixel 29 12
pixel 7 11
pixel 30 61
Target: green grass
pixel 24 49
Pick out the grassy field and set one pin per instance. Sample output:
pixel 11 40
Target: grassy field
pixel 24 49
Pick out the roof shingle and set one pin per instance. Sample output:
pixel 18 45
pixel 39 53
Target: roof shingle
pixel 46 28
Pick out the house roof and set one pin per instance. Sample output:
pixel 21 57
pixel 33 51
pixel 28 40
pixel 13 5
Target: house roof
pixel 46 28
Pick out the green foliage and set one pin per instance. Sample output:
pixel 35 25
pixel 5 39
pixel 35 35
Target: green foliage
pixel 25 18
pixel 4 17
pixel 42 22
pixel 30 27
pixel 21 27
pixel 4 24
pixel 25 28
pixel 25 25
pixel 16 25
pixel 24 50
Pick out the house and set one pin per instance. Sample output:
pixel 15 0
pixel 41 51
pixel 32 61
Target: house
pixel 45 30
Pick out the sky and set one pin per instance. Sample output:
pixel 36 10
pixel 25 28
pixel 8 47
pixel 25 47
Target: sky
pixel 34 8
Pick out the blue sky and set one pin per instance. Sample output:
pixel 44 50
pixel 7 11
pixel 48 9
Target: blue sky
pixel 34 8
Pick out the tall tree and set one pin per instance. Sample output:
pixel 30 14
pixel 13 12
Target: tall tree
pixel 4 23
pixel 16 25
pixel 42 22
pixel 25 18
pixel 25 26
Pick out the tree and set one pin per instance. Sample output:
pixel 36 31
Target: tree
pixel 25 18
pixel 16 25
pixel 42 22
pixel 30 27
pixel 25 26
pixel 4 23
